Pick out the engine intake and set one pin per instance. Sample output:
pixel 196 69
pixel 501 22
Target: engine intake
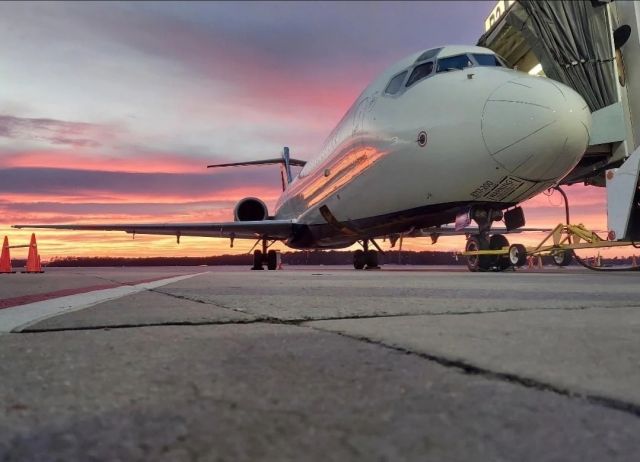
pixel 250 209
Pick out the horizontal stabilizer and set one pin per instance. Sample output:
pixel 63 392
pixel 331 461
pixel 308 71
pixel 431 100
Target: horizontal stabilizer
pixel 294 162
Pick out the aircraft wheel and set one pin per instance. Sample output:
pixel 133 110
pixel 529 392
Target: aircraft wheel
pixel 257 260
pixel 517 255
pixel 562 257
pixel 371 259
pixel 358 259
pixel 272 260
pixel 497 242
pixel 477 262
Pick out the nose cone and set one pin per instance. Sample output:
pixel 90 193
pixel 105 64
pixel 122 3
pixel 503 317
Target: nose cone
pixel 536 128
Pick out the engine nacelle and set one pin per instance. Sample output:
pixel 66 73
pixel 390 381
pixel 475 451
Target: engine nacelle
pixel 250 209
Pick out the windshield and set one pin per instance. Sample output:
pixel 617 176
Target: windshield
pixel 396 83
pixel 453 63
pixel 487 60
pixel 419 73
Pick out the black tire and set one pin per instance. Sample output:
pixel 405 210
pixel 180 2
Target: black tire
pixel 272 260
pixel 562 257
pixel 358 259
pixel 517 255
pixel 497 242
pixel 257 260
pixel 371 259
pixel 477 262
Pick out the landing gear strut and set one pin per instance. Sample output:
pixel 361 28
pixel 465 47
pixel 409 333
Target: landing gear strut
pixel 366 258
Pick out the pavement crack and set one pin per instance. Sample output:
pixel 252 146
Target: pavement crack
pixel 217 305
pixel 106 327
pixel 471 369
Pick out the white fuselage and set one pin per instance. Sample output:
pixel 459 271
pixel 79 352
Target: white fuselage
pixel 493 136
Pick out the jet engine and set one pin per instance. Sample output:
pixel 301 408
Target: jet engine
pixel 250 209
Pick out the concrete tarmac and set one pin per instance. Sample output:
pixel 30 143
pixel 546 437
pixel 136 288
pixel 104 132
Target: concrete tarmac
pixel 323 363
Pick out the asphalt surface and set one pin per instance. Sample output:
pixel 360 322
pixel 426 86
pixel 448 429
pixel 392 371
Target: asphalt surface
pixel 324 364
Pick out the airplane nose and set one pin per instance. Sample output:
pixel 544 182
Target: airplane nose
pixel 536 128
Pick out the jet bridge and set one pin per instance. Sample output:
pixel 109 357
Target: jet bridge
pixel 592 46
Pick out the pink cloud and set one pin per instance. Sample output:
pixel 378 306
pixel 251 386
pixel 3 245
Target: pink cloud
pixel 147 162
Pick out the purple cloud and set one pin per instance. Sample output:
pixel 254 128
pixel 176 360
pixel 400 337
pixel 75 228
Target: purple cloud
pixel 90 183
pixel 50 130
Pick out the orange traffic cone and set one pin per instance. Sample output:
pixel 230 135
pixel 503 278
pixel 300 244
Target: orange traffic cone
pixel 33 260
pixel 5 258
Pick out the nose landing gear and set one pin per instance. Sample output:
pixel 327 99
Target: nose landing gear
pixel 483 243
pixel 487 261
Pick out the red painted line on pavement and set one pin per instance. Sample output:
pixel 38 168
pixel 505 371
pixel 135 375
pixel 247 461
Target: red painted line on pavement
pixel 25 299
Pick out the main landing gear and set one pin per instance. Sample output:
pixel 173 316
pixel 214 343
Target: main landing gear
pixel 366 258
pixel 269 257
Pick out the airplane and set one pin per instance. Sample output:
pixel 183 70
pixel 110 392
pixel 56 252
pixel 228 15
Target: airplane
pixel 446 135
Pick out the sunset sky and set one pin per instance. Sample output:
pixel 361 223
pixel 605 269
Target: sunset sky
pixel 109 112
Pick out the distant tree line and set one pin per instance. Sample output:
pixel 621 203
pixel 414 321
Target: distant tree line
pixel 315 257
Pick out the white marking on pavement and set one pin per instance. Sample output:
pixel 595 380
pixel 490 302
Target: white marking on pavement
pixel 17 318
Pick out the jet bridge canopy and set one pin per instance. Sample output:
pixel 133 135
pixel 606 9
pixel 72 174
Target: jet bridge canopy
pixel 571 40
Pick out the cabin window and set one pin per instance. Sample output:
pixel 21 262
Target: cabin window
pixel 487 60
pixel 420 72
pixel 395 84
pixel 453 62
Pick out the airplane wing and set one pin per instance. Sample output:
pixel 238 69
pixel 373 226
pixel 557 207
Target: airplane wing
pixel 265 229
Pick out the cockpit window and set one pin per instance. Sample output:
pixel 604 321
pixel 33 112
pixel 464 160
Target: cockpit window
pixel 395 84
pixel 420 72
pixel 428 54
pixel 487 60
pixel 453 62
